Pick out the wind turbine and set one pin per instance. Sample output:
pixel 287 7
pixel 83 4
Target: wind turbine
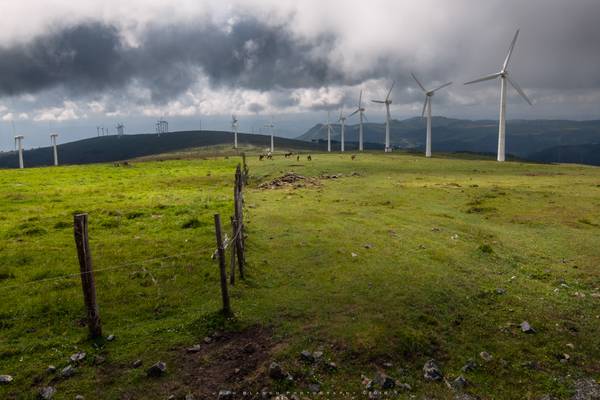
pixel 387 103
pixel 234 128
pixel 361 111
pixel 19 145
pixel 328 131
pixel 53 137
pixel 427 105
pixel 271 126
pixel 503 75
pixel 342 120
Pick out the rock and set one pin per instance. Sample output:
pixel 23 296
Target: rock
pixel 368 246
pixel 157 369
pixel 570 345
pixel 331 366
pixel 404 386
pixel 526 328
pixel 189 396
pixel 5 379
pixel 314 388
pixel 317 355
pixel 469 366
pixel 136 364
pixel 194 349
pixel 354 255
pixel 307 356
pixel 500 291
pixel 486 356
pixel 51 369
pixel 80 355
pixel 207 340
pixel 276 372
pixel 586 389
pixel 564 358
pixel 459 383
pixel 79 397
pixel 432 372
pixel 225 395
pixel 46 393
pixel 67 371
pixel 110 338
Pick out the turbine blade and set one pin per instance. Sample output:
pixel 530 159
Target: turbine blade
pixel 485 78
pixel 424 106
pixel 390 91
pixel 418 83
pixel 441 87
pixel 360 98
pixel 365 117
pixel 518 89
pixel 357 110
pixel 378 101
pixel 510 50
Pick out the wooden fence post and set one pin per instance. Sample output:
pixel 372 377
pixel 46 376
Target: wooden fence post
pixel 245 169
pixel 233 250
pixel 239 221
pixel 87 274
pixel 221 251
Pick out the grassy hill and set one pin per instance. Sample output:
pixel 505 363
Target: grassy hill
pixel 395 261
pixel 525 138
pixel 114 148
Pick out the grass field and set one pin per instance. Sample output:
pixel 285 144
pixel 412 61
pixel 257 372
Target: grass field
pixel 397 261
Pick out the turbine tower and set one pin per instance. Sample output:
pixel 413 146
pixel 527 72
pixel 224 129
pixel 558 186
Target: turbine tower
pixel 19 146
pixel 342 120
pixel 234 129
pixel 361 114
pixel 427 105
pixel 271 126
pixel 53 137
pixel 328 131
pixel 503 75
pixel 387 103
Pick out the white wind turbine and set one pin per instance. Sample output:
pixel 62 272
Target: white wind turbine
pixel 361 113
pixel 427 105
pixel 387 103
pixel 19 146
pixel 53 142
pixel 234 128
pixel 342 120
pixel 329 131
pixel 271 126
pixel 503 75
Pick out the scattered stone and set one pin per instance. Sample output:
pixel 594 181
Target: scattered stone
pixel 249 348
pixel 471 365
pixel 486 356
pixel 51 369
pixel 432 372
pixel 157 369
pixel 354 255
pixel 189 396
pixel 110 338
pixel 586 389
pixel 67 371
pixel 80 355
pixel 331 366
pixel 435 229
pixel 276 372
pixel 314 388
pixel 532 365
pixel 136 364
pixel 526 328
pixel 317 355
pixel 236 371
pixel 307 356
pixel 225 395
pixel 388 365
pixel 460 383
pixel 500 291
pixel 570 345
pixel 194 349
pixel 4 379
pixel 368 246
pixel 564 358
pixel 404 386
pixel 207 340
pixel 79 397
pixel 46 393
pixel 454 237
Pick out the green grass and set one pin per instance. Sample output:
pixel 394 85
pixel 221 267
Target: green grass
pixel 443 235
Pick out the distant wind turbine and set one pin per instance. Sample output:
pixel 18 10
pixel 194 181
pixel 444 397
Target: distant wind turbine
pixel 53 137
pixel 503 75
pixel 329 131
pixel 271 126
pixel 342 120
pixel 387 103
pixel 427 105
pixel 234 128
pixel 361 113
pixel 19 146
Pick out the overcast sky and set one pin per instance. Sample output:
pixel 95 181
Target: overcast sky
pixel 70 66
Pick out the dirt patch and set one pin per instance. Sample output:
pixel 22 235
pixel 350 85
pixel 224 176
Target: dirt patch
pixel 231 361
pixel 290 179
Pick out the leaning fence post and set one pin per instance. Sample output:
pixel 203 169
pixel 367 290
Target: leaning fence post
pixel 239 223
pixel 80 225
pixel 245 168
pixel 221 252
pixel 233 250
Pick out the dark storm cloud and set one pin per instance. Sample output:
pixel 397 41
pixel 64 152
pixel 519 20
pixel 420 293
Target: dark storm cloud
pixel 92 56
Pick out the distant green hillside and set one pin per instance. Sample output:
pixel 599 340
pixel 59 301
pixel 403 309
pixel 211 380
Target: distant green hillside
pixel 114 148
pixel 524 138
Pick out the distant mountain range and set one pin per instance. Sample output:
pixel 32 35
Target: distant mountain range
pixel 114 148
pixel 538 140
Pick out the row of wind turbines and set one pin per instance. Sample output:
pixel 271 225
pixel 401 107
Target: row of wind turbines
pixel 503 75
pixel 19 147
